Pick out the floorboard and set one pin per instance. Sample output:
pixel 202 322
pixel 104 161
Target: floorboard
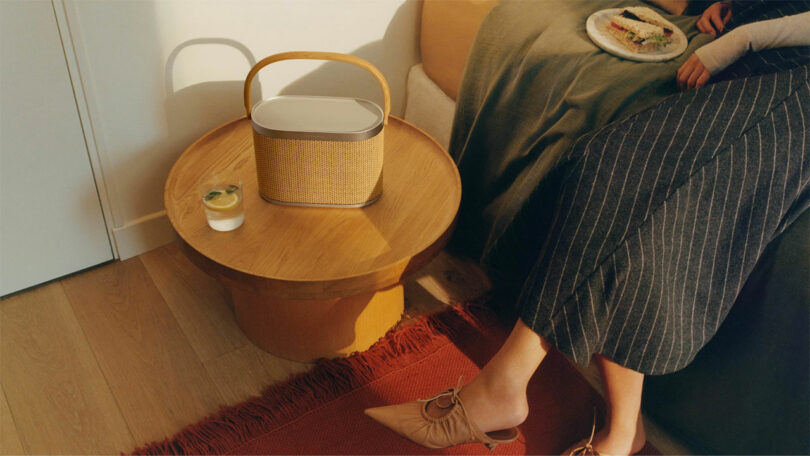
pixel 155 375
pixel 56 392
pixel 452 280
pixel 199 303
pixel 246 372
pixel 9 438
pixel 133 351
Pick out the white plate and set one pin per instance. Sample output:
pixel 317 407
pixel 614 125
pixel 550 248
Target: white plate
pixel 596 27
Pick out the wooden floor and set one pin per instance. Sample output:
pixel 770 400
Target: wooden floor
pixel 132 351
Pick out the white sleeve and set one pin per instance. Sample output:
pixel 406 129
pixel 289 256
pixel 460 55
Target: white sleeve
pixel 782 32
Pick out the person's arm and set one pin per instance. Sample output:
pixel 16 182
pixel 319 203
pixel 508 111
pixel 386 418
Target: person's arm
pixel 714 18
pixel 774 33
pixel 756 36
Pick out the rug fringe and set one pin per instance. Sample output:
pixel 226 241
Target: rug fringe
pixel 328 380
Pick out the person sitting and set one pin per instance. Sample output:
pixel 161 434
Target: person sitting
pixel 711 59
pixel 629 272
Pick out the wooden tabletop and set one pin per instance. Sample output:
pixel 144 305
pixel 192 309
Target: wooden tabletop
pixel 310 252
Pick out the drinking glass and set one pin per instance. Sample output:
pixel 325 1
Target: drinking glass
pixel 223 203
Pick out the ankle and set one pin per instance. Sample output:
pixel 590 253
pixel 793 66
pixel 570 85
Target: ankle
pixel 504 390
pixel 624 431
pixel 495 406
pixel 622 438
pixel 503 386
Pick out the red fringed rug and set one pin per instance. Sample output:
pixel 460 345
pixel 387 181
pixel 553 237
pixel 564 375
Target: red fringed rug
pixel 321 411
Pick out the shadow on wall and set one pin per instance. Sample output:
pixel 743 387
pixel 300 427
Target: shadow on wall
pixel 346 80
pixel 197 108
pixel 194 110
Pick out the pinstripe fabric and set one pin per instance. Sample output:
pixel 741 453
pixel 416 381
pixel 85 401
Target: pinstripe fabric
pixel 654 230
pixel 634 240
pixel 534 84
pixel 745 11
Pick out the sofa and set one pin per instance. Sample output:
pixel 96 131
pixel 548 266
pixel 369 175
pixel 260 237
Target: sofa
pixel 747 391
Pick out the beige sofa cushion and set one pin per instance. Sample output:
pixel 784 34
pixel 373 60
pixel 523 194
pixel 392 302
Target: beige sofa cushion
pixel 448 31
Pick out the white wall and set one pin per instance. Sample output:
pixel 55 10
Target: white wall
pixel 157 74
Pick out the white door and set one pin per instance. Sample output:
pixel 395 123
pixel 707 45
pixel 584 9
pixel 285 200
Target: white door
pixel 50 215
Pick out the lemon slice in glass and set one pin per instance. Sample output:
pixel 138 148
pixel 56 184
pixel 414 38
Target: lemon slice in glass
pixel 222 202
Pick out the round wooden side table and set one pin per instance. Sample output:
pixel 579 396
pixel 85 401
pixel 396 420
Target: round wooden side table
pixel 311 282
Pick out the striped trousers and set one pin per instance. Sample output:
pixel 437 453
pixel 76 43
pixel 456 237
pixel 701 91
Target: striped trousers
pixel 660 218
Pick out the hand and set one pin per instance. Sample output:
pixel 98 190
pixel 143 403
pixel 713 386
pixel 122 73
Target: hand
pixel 714 19
pixel 692 74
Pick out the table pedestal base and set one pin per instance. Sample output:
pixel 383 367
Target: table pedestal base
pixel 305 330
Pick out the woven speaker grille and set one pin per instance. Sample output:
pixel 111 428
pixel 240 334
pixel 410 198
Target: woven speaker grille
pixel 299 171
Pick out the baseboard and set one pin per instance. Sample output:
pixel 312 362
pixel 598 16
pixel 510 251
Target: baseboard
pixel 143 234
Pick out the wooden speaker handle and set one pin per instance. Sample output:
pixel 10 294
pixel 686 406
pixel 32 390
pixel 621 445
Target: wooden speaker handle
pixel 312 55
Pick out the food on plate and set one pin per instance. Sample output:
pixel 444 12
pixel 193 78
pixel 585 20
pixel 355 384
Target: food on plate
pixel 648 15
pixel 641 29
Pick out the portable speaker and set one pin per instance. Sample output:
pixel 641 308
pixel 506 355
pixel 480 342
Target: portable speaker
pixel 319 151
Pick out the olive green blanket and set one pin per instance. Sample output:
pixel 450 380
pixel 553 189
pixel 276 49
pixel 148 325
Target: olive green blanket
pixel 535 83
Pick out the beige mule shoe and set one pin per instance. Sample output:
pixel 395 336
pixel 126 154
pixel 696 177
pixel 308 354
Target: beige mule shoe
pixel 585 446
pixel 412 421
